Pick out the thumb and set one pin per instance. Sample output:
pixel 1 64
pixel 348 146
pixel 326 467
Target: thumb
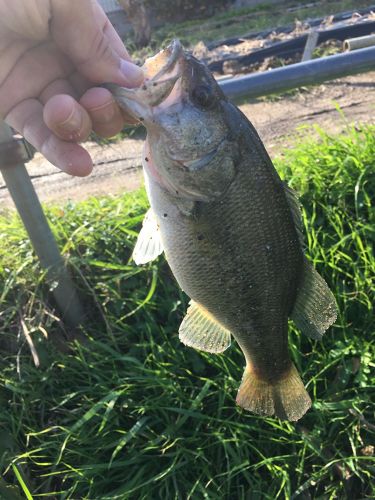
pixel 84 33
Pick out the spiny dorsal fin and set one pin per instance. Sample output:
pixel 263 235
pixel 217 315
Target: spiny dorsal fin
pixel 201 331
pixel 295 207
pixel 148 245
pixel 315 308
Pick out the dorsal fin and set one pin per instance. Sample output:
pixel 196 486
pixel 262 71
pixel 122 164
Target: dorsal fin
pixel 295 208
pixel 200 330
pixel 149 245
pixel 315 308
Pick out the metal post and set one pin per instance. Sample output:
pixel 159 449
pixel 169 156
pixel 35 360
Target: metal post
pixel 311 42
pixel 30 210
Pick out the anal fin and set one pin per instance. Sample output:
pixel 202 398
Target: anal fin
pixel 200 330
pixel 149 245
pixel 315 308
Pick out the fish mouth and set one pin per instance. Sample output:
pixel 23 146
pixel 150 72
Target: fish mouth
pixel 164 62
pixel 161 73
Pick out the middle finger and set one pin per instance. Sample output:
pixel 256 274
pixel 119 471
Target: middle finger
pixel 66 118
pixel 62 113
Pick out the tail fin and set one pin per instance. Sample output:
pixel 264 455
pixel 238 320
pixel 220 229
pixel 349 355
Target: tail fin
pixel 287 398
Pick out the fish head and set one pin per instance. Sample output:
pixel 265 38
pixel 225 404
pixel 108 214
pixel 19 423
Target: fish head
pixel 189 149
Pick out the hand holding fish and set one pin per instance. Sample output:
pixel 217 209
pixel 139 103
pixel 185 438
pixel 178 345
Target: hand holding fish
pixel 53 55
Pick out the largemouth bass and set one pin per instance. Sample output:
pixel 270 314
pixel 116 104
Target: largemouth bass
pixel 230 229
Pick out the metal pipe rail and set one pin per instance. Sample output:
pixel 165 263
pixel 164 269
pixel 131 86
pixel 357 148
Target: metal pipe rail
pixel 359 43
pixel 297 75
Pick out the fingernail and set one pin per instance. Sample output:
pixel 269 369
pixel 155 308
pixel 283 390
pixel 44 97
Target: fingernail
pixel 132 73
pixel 73 123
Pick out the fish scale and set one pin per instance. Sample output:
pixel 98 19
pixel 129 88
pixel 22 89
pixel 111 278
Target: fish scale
pixel 230 228
pixel 229 256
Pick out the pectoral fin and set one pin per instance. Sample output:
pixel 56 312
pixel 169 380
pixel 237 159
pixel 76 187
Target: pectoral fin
pixel 201 331
pixel 315 308
pixel 148 245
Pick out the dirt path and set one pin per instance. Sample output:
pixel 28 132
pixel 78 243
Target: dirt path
pixel 117 165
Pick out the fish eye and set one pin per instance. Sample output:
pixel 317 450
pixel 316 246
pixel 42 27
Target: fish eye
pixel 203 96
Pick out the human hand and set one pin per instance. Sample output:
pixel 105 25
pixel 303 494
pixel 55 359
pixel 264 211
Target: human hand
pixel 52 53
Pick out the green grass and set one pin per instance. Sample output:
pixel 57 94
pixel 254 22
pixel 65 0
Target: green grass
pixel 234 23
pixel 132 413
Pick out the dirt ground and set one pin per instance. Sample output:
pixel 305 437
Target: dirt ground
pixel 117 166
